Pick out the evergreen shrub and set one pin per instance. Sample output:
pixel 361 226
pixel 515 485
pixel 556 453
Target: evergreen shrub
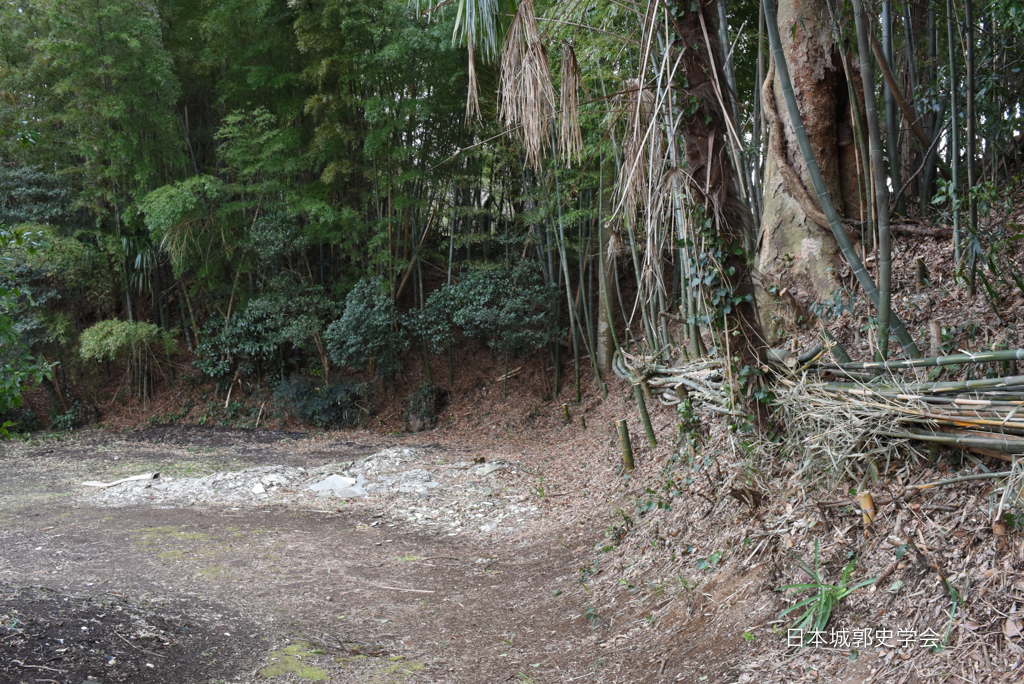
pixel 341 404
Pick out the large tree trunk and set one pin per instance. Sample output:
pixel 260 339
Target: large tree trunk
pixel 798 256
pixel 713 177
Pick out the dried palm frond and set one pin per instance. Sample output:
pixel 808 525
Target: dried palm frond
pixel 570 138
pixel 527 92
pixel 472 93
pixel 639 145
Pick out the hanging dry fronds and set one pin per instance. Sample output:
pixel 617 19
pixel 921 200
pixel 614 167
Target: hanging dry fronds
pixel 472 94
pixel 614 242
pixel 640 145
pixel 527 92
pixel 570 138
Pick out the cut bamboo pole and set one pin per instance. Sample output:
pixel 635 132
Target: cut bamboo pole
pixel 627 448
pixel 935 331
pixel 1013 447
pixel 867 508
pixel 837 349
pixel 939 387
pixel 638 390
pixel 950 360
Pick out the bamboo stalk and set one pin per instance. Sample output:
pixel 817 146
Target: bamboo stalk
pixel 954 144
pixel 950 386
pixel 881 191
pixel 809 354
pixel 627 448
pixel 950 360
pixel 638 390
pixel 1012 447
pixel 837 349
pixel 972 206
pixel 890 91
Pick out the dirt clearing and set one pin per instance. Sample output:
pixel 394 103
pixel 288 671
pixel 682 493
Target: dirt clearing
pixel 455 582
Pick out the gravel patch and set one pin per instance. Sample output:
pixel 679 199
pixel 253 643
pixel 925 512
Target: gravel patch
pixel 400 482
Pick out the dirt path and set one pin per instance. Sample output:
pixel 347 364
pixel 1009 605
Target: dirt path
pixel 392 588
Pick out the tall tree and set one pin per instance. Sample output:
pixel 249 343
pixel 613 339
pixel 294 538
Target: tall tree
pixel 798 253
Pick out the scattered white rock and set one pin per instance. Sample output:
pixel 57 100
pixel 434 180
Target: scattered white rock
pixel 275 480
pixel 488 468
pixel 341 487
pixel 399 483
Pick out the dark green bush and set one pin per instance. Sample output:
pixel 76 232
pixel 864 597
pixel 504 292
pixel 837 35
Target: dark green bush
pixel 340 404
pixel 368 332
pixel 20 420
pixel 507 307
pixel 273 334
pixel 434 322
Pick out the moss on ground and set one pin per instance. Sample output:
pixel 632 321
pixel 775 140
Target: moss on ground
pixel 289 661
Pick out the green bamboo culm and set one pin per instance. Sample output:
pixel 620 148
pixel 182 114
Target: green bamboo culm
pixel 627 448
pixel 1007 446
pixel 867 74
pixel 641 402
pixel 951 360
pixel 954 143
pixel 837 349
pixel 945 387
pixel 972 142
pixel 892 125
pixel 827 207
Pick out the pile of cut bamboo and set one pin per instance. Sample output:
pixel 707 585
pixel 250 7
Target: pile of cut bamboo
pixel 978 415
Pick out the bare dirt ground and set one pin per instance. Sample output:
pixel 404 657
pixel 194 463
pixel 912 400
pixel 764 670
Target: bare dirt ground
pixel 502 546
pixel 300 589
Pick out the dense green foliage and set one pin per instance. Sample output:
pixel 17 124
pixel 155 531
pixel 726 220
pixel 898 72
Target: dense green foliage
pixel 367 333
pixel 112 339
pixel 290 188
pixel 17 367
pixel 272 336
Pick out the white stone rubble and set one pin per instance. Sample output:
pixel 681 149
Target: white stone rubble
pixel 450 498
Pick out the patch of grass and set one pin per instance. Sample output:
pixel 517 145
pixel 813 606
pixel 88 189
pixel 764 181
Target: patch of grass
pixel 153 534
pixel 398 672
pixel 407 559
pixel 818 608
pixel 288 661
pixel 215 572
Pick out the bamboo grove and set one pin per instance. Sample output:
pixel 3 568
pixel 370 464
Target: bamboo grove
pixel 283 189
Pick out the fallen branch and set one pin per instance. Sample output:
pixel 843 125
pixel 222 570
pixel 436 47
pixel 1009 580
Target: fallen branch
pixel 134 478
pixel 414 591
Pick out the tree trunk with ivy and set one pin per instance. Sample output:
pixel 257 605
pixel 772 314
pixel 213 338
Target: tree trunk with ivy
pixel 713 178
pixel 799 258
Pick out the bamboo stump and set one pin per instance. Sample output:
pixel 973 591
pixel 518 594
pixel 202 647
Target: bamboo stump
pixel 627 448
